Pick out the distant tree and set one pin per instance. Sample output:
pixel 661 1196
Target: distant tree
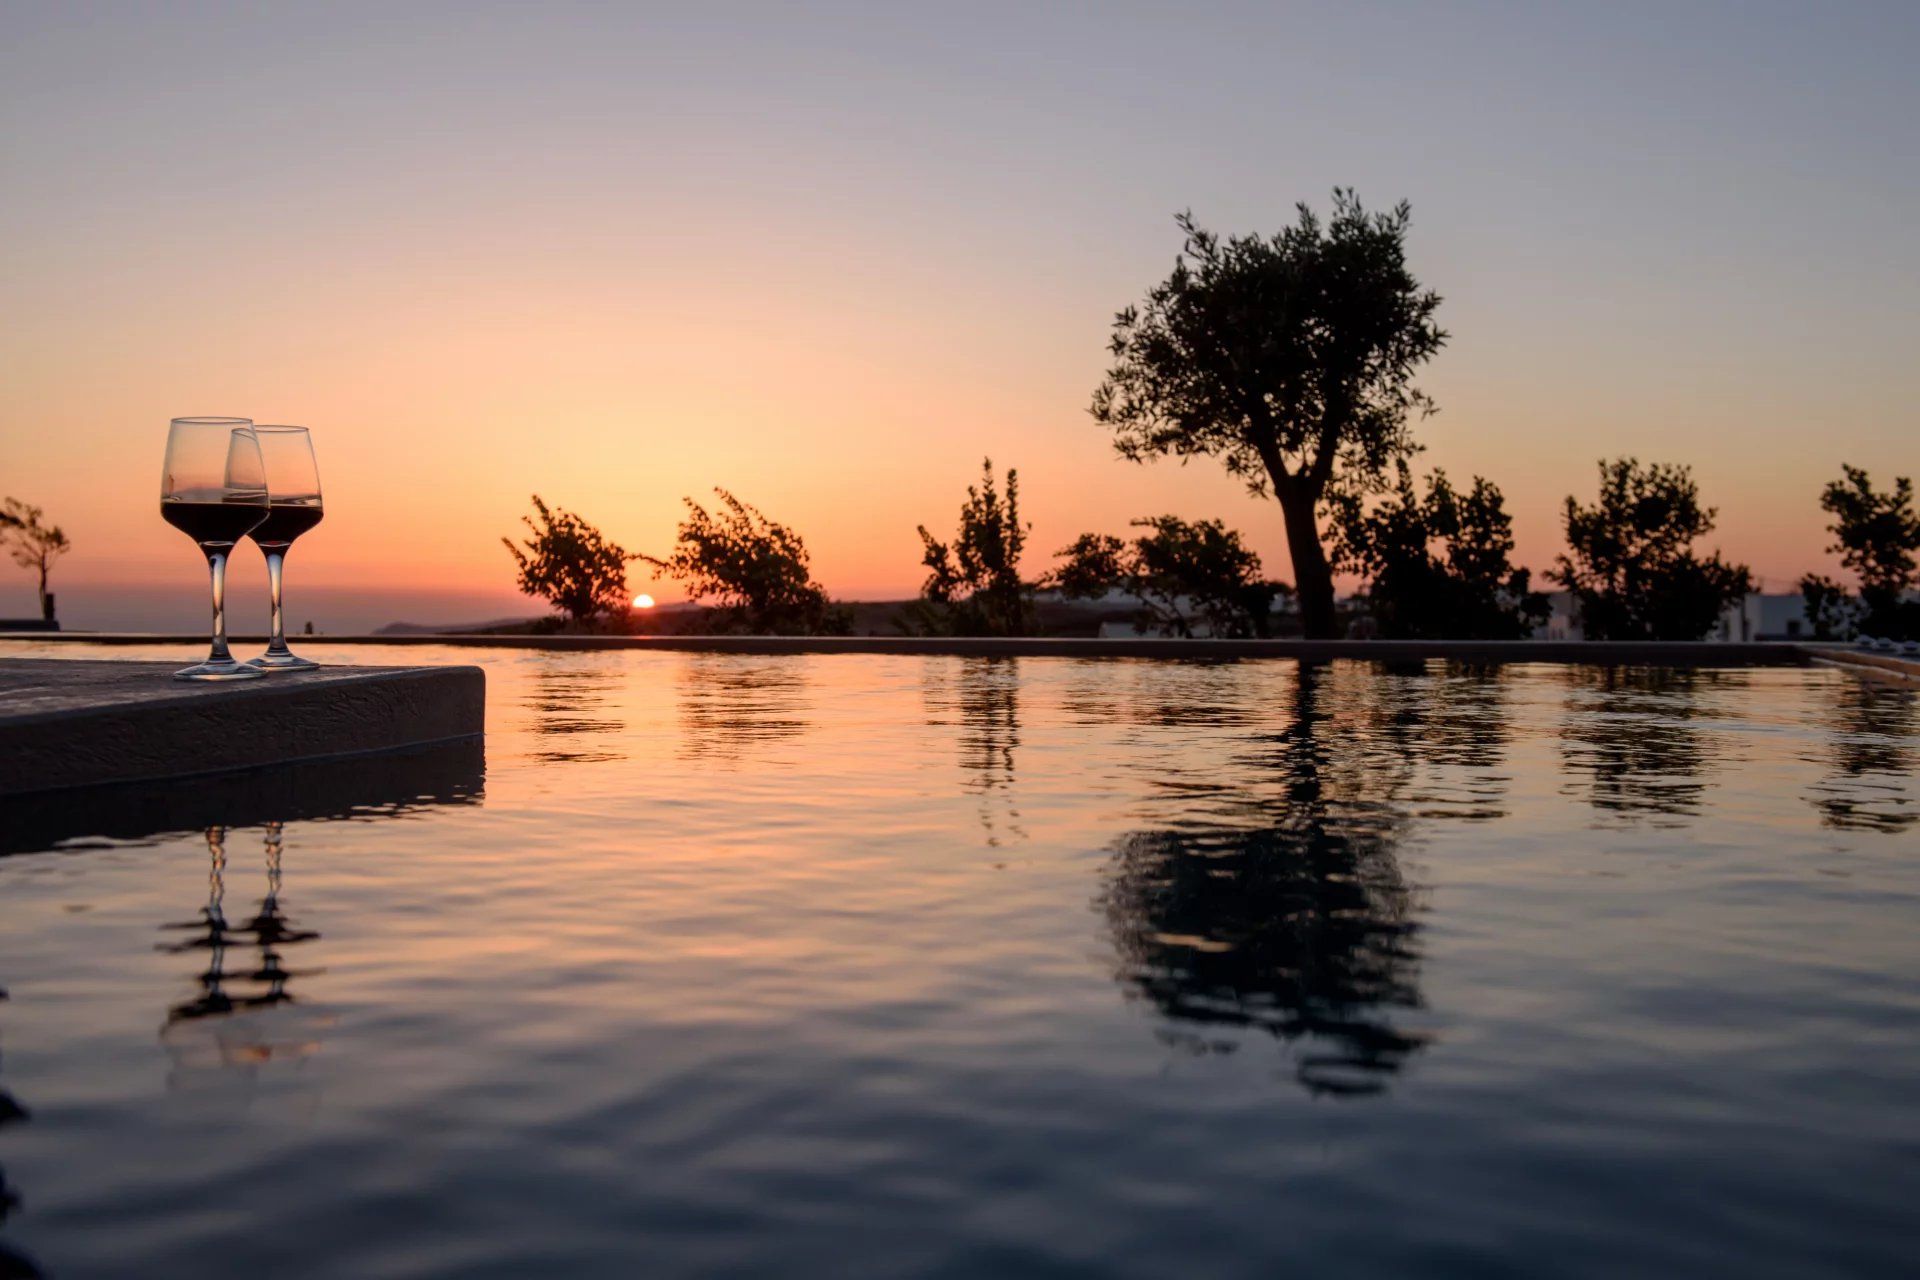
pixel 1833 614
pixel 1876 535
pixel 32 544
pixel 973 585
pixel 1289 357
pixel 1630 564
pixel 1184 575
pixel 1438 566
pixel 568 563
pixel 753 570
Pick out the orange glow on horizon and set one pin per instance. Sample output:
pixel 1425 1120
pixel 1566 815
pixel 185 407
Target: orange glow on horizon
pixel 622 260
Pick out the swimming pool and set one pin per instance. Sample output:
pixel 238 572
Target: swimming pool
pixel 877 966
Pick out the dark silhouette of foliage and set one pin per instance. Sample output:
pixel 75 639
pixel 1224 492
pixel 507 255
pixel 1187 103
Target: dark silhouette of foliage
pixel 1631 744
pixel 973 585
pixel 1183 575
pixel 1290 357
pixel 753 569
pixel 1467 589
pixel 32 545
pixel 1630 564
pixel 1285 911
pixel 568 563
pixel 1876 535
pixel 1870 727
pixel 1831 611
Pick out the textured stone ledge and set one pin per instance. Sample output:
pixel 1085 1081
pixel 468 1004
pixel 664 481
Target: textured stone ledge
pixel 85 723
pixel 1885 665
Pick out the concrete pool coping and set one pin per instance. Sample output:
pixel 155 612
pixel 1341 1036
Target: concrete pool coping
pixel 67 723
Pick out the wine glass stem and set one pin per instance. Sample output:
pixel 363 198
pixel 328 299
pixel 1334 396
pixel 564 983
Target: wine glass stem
pixel 277 643
pixel 217 565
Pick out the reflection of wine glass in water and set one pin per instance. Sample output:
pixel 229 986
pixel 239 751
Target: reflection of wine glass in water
pixel 270 927
pixel 243 1017
pixel 214 489
pixel 209 933
pixel 293 490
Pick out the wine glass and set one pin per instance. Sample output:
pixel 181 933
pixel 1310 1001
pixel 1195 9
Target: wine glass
pixel 293 507
pixel 214 489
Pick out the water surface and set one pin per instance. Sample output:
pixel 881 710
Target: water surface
pixel 875 966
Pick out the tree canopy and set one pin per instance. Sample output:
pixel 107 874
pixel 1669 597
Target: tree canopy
pixel 1289 357
pixel 1630 563
pixel 973 585
pixel 753 571
pixel 1438 566
pixel 1185 576
pixel 1876 534
pixel 570 564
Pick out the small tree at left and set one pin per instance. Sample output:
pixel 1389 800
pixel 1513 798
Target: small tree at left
pixel 570 564
pixel 32 544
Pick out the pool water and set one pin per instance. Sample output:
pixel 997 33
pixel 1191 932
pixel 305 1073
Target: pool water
pixel 874 966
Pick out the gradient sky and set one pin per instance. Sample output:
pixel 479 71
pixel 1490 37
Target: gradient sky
pixel 830 256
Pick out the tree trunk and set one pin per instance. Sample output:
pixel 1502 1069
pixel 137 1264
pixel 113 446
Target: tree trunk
pixel 1312 576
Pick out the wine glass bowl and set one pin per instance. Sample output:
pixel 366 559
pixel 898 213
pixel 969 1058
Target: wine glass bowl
pixel 213 488
pixel 293 507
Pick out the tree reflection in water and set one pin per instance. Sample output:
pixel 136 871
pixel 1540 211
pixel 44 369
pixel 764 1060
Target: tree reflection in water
pixel 1452 719
pixel 733 707
pixel 571 705
pixel 1870 734
pixel 1628 747
pixel 981 698
pixel 1294 917
pixel 240 1015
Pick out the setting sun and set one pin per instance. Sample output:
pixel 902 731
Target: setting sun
pixel 643 601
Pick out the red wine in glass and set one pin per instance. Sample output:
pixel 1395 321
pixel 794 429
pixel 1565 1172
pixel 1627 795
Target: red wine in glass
pixel 218 523
pixel 284 523
pixel 294 507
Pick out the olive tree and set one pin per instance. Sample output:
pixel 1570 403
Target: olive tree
pixel 1290 358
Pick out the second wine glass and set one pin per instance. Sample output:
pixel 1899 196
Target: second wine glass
pixel 293 507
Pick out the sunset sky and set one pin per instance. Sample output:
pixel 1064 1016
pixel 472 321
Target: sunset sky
pixel 830 256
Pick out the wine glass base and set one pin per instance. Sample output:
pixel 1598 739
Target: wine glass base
pixel 228 670
pixel 277 663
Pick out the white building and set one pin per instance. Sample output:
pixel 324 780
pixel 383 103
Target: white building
pixel 1770 616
